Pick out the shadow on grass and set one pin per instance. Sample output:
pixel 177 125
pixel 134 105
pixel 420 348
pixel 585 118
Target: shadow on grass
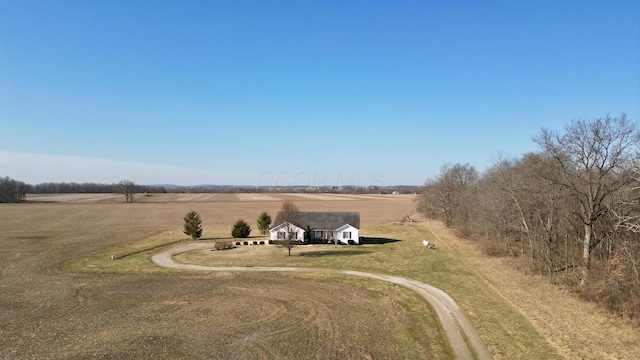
pixel 376 240
pixel 230 238
pixel 334 253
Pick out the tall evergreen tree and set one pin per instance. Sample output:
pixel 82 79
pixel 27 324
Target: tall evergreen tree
pixel 193 225
pixel 264 221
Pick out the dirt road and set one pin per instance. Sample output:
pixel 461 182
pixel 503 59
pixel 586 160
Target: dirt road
pixel 463 338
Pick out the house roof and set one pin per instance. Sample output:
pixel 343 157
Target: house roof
pixel 324 220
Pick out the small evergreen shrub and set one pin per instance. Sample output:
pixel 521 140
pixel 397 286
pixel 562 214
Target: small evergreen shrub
pixel 241 229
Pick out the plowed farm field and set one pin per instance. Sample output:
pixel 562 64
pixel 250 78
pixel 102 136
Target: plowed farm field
pixel 62 297
pixel 52 313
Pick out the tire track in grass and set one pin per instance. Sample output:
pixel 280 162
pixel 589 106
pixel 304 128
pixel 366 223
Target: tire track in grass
pixel 462 336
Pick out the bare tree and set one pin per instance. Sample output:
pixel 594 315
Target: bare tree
pixel 504 204
pixel 289 216
pixel 428 203
pixel 595 160
pixel 448 191
pixel 128 188
pixel 629 218
pixel 527 212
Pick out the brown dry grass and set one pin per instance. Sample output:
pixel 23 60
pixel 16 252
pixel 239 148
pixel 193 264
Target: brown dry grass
pixel 51 313
pixel 507 333
pixel 579 330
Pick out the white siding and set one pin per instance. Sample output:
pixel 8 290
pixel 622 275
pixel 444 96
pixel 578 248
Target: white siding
pixel 273 233
pixel 345 231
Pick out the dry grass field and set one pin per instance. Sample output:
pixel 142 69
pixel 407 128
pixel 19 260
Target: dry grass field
pixel 62 298
pixel 51 313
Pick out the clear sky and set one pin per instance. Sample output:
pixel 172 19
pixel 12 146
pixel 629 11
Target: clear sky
pixel 300 92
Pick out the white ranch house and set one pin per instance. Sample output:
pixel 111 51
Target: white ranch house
pixel 340 226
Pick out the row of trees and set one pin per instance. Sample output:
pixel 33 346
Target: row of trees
pixel 571 209
pixel 12 190
pixel 349 189
pixel 129 189
pixel 241 229
pixel 91 188
pixel 16 191
pixel 290 215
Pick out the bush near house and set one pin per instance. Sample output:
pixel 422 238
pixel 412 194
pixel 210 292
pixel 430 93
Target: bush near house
pixel 223 245
pixel 241 229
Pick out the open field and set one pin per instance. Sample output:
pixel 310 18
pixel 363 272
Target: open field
pixel 63 298
pixel 462 337
pixel 208 197
pixel 52 313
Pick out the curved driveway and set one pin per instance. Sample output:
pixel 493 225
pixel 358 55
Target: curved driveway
pixel 463 338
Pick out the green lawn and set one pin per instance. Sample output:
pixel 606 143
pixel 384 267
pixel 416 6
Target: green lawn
pixel 398 251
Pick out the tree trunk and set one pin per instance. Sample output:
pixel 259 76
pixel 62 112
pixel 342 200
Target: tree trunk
pixel 586 253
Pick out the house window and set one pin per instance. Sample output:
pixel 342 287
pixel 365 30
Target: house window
pixel 346 235
pixel 282 235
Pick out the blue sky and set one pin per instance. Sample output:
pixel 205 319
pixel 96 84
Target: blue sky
pixel 300 92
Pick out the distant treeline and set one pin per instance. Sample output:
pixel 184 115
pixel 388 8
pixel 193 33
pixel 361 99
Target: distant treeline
pixel 296 189
pixel 89 188
pixel 15 191
pixel 12 190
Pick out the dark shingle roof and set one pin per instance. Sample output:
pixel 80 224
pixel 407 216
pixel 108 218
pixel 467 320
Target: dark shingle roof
pixel 324 220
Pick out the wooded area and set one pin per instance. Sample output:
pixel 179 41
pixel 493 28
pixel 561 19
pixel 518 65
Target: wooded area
pixel 92 188
pixel 12 190
pixel 570 211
